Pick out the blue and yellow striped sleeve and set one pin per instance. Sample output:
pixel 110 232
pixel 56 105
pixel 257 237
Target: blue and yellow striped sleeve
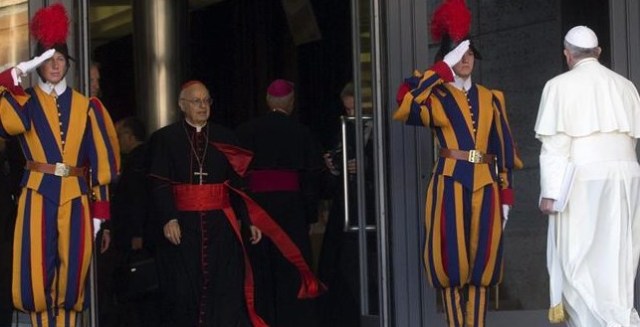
pixel 14 118
pixel 104 155
pixel 413 94
pixel 508 157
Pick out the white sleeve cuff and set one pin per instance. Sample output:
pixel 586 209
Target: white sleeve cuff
pixel 554 157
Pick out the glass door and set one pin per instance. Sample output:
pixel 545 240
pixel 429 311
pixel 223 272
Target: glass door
pixel 364 184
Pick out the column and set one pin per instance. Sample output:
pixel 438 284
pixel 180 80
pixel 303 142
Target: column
pixel 159 28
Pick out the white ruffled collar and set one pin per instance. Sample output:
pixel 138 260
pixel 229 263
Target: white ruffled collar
pixel 461 84
pixel 48 87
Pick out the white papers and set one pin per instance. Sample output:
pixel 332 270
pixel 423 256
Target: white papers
pixel 554 266
pixel 565 188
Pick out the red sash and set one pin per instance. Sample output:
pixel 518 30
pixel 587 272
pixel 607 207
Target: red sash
pixel 274 180
pixel 207 197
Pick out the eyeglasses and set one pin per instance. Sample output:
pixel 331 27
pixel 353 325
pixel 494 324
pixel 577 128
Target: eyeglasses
pixel 199 102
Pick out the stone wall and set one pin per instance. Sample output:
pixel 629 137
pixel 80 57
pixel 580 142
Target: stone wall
pixel 521 45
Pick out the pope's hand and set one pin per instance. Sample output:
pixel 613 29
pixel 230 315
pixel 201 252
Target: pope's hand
pixel 28 66
pixel 546 206
pixel 454 56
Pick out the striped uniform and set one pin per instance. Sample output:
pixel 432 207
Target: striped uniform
pixel 463 249
pixel 53 235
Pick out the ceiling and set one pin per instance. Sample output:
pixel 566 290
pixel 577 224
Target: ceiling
pixel 112 19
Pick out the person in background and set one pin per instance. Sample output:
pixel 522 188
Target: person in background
pixel 106 256
pixel 130 201
pixel 470 191
pixel 7 222
pixel 71 151
pixel 338 263
pixel 347 97
pixel 283 179
pixel 589 121
pixel 94 80
pixel 130 222
pixel 11 168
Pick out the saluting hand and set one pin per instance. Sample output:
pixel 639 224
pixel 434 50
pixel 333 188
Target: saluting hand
pixel 172 231
pixel 454 56
pixel 26 67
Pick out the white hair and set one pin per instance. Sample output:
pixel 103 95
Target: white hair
pixel 581 53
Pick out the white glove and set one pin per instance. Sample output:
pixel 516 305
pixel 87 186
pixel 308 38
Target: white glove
pixel 25 67
pixel 454 56
pixel 96 226
pixel 16 78
pixel 505 214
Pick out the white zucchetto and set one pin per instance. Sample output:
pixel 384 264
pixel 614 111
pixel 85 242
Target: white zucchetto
pixel 583 37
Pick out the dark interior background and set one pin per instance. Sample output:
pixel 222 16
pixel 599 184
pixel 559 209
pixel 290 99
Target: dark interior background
pixel 237 48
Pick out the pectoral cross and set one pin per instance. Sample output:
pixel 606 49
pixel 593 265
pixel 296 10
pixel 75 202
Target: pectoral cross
pixel 200 174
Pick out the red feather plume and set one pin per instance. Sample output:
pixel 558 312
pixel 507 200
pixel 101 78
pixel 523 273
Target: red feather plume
pixel 451 18
pixel 50 25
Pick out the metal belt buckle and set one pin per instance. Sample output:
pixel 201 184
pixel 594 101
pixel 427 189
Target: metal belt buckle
pixel 475 156
pixel 62 170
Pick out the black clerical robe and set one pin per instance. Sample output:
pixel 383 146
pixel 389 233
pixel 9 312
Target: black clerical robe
pixel 283 179
pixel 207 279
pixel 203 275
pixel 130 201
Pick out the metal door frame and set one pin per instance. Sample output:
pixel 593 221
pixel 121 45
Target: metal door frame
pixel 366 317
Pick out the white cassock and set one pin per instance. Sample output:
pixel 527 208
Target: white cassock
pixel 590 117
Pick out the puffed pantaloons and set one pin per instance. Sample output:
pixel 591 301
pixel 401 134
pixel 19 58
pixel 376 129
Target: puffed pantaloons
pixel 463 253
pixel 52 253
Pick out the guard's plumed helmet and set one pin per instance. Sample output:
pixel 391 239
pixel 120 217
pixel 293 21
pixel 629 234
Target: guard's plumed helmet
pixel 450 25
pixel 50 27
